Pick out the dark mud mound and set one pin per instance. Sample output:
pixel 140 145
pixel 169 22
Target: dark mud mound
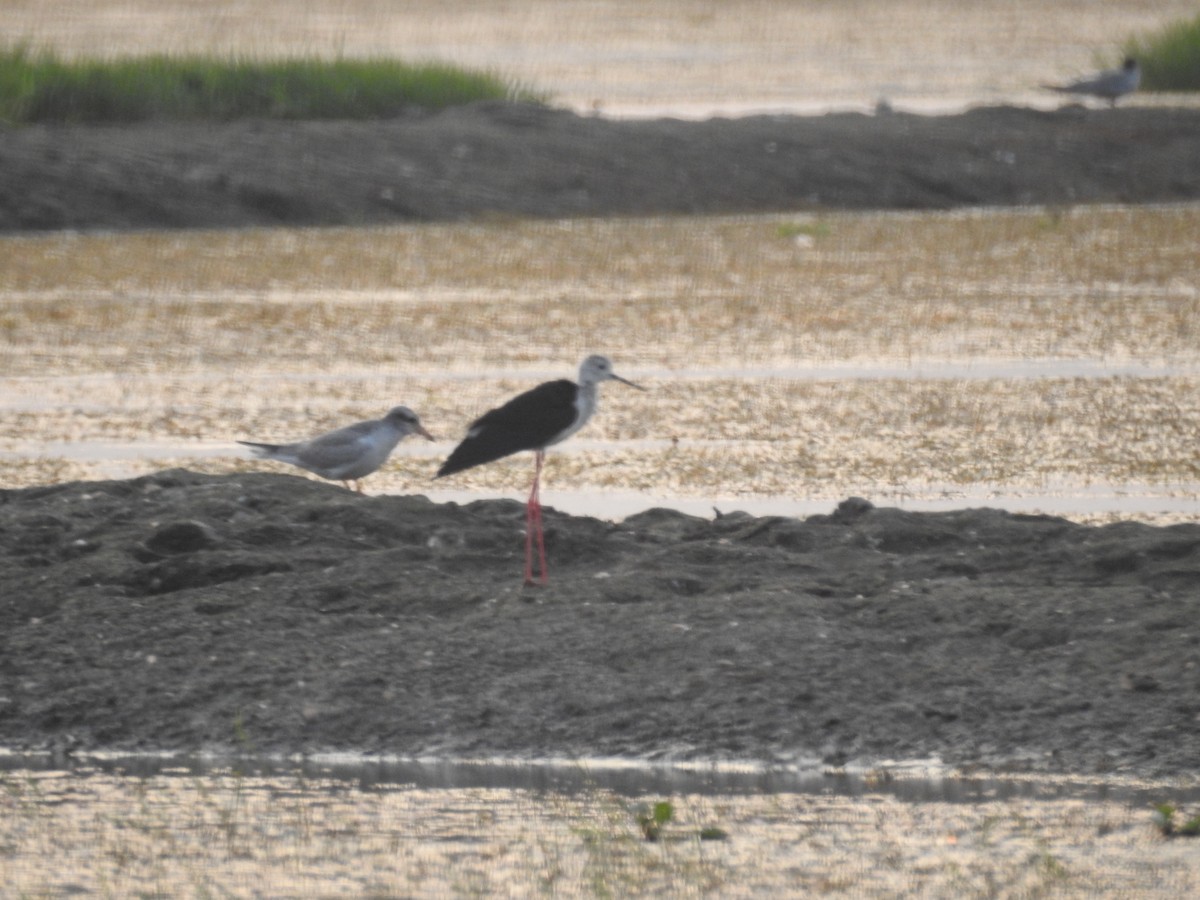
pixel 268 612
pixel 506 159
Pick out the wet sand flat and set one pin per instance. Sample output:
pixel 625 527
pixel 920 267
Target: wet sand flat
pixel 680 57
pixel 899 357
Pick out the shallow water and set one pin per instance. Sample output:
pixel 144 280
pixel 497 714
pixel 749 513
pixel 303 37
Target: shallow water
pixel 256 828
pixel 1162 503
pixel 1110 503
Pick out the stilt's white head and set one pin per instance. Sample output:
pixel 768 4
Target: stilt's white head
pixel 596 369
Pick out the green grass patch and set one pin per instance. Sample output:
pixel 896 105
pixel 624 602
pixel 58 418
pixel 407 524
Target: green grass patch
pixel 38 86
pixel 1167 823
pixel 1170 58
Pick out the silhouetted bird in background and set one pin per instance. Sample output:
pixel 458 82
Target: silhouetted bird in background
pixel 1111 84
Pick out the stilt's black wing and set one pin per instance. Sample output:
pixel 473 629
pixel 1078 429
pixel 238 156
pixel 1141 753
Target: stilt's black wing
pixel 528 421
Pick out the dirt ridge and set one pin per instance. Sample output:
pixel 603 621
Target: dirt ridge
pixel 266 612
pixel 490 159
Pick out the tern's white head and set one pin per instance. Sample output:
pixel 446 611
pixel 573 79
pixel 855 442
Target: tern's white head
pixel 405 421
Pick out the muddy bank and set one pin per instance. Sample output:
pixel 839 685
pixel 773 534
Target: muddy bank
pixel 504 159
pixel 269 612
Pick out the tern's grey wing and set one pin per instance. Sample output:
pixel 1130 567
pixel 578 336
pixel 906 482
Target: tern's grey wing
pixel 337 450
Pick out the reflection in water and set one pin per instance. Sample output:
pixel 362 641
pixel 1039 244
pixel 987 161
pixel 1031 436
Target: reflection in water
pixel 918 781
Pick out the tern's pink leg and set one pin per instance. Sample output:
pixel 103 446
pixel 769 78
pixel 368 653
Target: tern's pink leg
pixel 533 524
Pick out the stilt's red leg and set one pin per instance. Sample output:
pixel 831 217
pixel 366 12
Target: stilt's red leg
pixel 541 537
pixel 533 524
pixel 529 540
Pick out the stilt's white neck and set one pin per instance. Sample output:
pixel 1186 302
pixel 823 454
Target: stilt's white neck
pixel 586 399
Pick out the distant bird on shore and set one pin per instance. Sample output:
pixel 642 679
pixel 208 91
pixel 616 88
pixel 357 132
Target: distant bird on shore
pixel 1110 85
pixel 544 415
pixel 349 453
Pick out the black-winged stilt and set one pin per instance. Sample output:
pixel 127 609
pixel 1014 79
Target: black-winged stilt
pixel 544 415
pixel 1111 84
pixel 349 453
